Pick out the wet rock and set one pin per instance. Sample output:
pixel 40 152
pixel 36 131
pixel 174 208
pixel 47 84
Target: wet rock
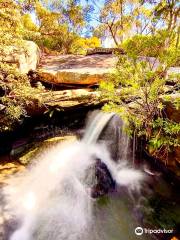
pixel 117 141
pixel 104 181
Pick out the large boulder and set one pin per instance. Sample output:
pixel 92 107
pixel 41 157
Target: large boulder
pixel 26 57
pixel 76 70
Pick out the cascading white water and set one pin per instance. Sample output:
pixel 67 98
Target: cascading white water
pixel 52 198
pixel 95 128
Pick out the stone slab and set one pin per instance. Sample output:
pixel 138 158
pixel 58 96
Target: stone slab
pixel 76 69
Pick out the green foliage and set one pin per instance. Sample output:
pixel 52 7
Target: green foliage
pixel 120 20
pixel 59 25
pixel 58 28
pixel 115 20
pixel 144 45
pixel 164 137
pixel 135 92
pixel 17 96
pixel 162 212
pixel 28 24
pixel 80 45
pixel 154 46
pixel 176 103
pixel 10 24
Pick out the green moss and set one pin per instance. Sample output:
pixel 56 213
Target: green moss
pixel 37 148
pixel 164 213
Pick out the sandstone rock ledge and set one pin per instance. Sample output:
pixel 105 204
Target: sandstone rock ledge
pixel 76 70
pixel 67 99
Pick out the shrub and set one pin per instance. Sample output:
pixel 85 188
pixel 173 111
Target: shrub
pixel 135 91
pixel 16 95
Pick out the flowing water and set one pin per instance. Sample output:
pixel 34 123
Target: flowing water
pixel 52 200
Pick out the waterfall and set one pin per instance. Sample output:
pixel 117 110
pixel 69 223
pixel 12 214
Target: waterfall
pixel 52 199
pixel 114 136
pixel 95 128
pixel 109 129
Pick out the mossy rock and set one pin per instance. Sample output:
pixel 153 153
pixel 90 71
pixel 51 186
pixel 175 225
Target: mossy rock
pixel 38 148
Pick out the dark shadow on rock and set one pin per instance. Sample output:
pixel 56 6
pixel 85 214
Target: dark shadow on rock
pixel 104 181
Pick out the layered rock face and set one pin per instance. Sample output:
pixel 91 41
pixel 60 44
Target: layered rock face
pixel 25 57
pixel 68 99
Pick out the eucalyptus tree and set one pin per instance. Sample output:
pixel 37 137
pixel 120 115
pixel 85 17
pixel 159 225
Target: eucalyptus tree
pixel 166 16
pixel 120 19
pixel 116 19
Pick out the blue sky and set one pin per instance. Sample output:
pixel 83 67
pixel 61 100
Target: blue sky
pixel 97 4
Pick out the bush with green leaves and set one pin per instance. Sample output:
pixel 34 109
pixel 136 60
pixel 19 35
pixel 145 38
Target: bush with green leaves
pixel 154 46
pixel 134 91
pixel 139 45
pixel 16 95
